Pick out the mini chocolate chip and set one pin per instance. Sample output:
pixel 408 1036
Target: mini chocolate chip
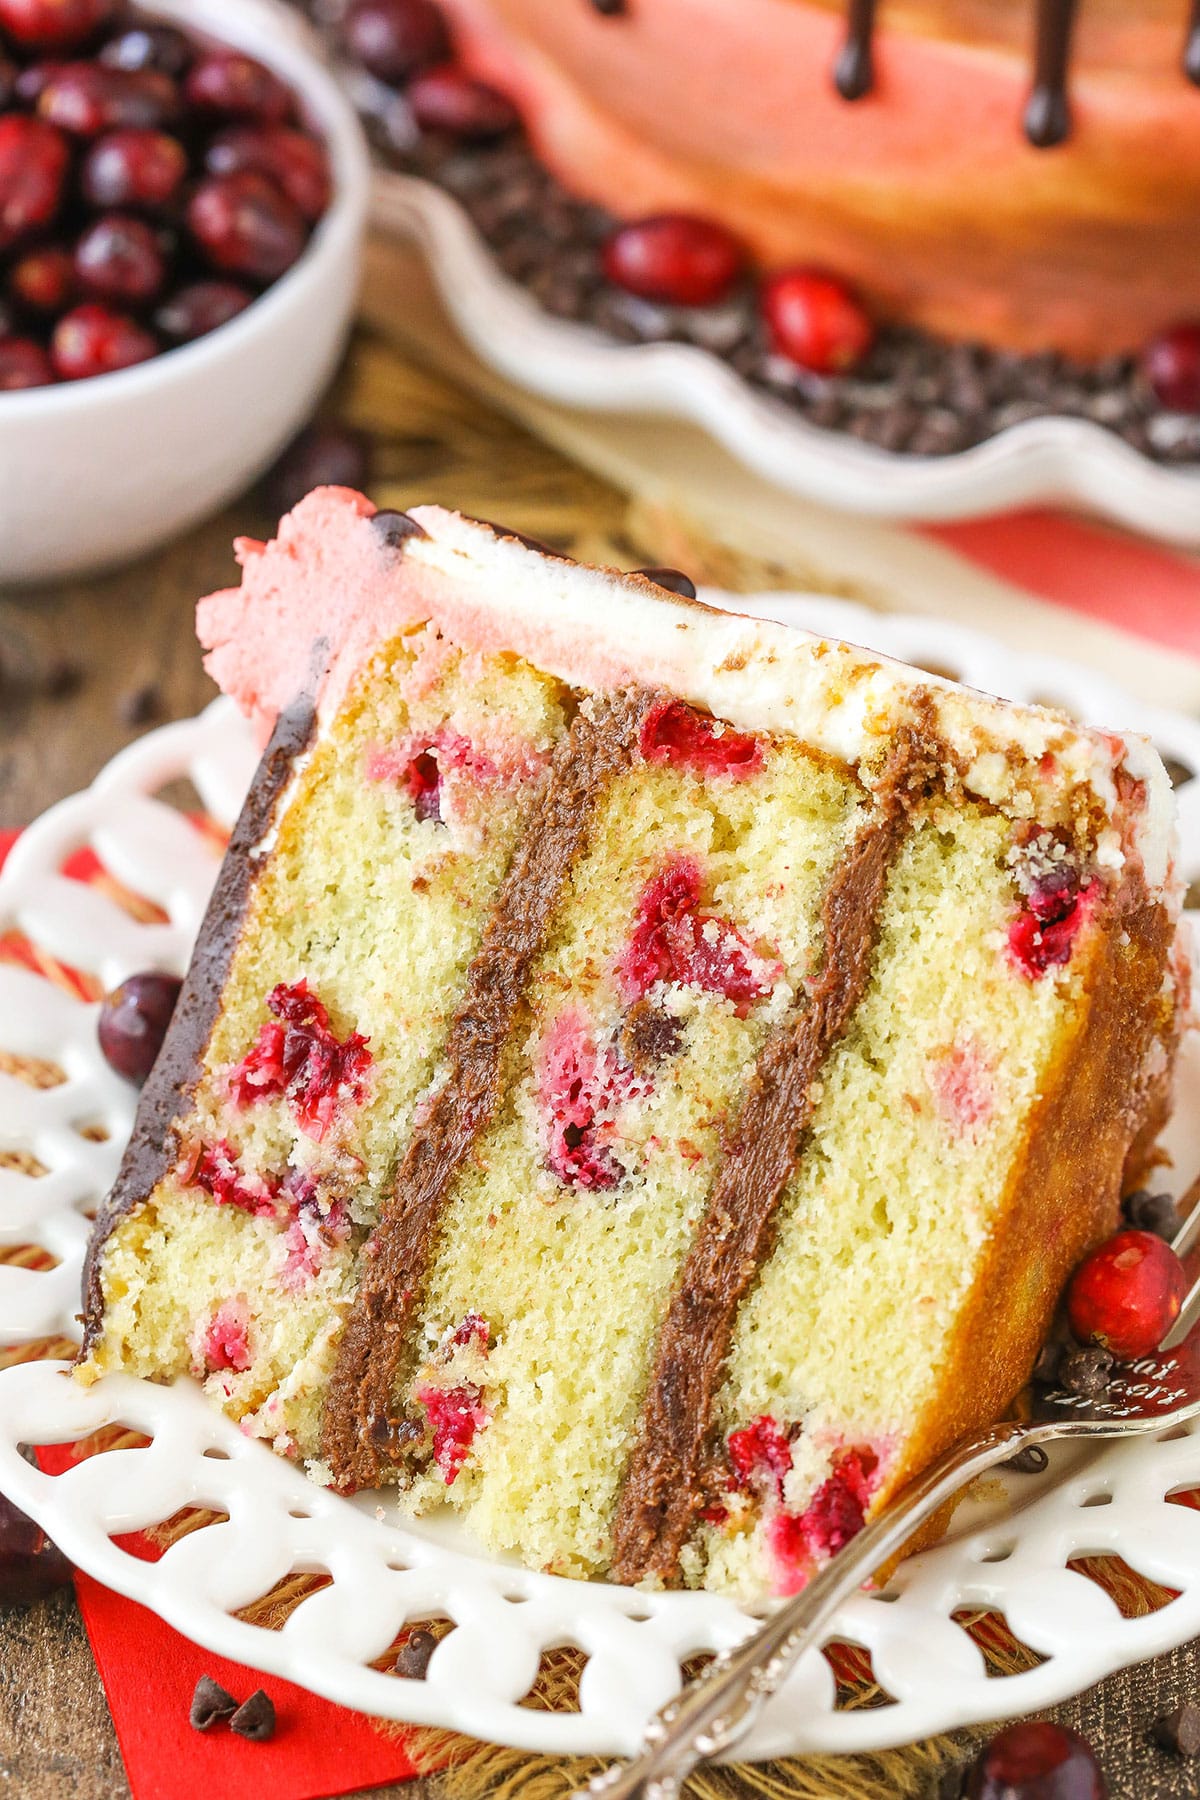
pixel 139 705
pixel 672 580
pixel 650 1036
pixel 255 1718
pixel 413 1656
pixel 1180 1730
pixel 1030 1460
pixel 395 528
pixel 60 677
pixel 1145 1211
pixel 1045 1369
pixel 521 537
pixel 1086 1372
pixel 210 1703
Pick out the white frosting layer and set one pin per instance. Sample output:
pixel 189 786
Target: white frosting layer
pixel 593 628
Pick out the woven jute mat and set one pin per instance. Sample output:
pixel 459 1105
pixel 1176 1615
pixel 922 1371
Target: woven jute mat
pixel 436 440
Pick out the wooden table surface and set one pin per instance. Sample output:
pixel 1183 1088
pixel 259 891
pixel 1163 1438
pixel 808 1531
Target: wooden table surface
pixel 87 665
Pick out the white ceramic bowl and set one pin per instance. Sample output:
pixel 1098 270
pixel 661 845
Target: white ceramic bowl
pixel 93 473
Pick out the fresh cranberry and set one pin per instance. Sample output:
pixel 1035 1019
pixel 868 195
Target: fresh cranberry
pixel 30 1565
pixel 815 320
pixel 674 258
pixel 1036 1761
pixel 43 280
pixel 760 1454
pixel 298 1054
pixel 86 98
pixel 33 171
pixel 133 1022
pixel 134 168
pixel 246 226
pixel 53 24
pixel 1127 1294
pixel 296 163
pixel 1171 365
pixel 455 1415
pixel 447 99
pixel 23 364
pixel 159 47
pixel 674 941
pixel 674 732
pixel 337 456
pixel 392 39
pixel 94 340
pixel 200 307
pixel 215 1170
pixel 228 82
pixel 119 258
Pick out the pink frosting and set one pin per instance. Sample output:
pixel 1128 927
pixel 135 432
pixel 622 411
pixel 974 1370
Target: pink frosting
pixel 327 575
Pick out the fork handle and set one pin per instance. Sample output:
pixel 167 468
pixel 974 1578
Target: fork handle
pixel 719 1708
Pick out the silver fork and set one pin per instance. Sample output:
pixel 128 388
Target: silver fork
pixel 721 1706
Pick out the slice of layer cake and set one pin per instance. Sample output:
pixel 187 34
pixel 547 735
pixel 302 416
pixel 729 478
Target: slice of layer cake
pixel 646 1073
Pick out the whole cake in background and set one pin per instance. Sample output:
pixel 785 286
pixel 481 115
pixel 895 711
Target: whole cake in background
pixel 646 1074
pixel 915 221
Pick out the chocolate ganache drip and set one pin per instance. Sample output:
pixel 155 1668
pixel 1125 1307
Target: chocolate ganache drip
pixel 1048 115
pixel 1191 48
pixel 854 71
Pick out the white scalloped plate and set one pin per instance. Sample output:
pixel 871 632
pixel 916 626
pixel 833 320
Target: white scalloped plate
pixel 1043 462
pixel 1007 1555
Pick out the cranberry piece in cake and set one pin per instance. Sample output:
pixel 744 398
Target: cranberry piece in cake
pixel 246 225
pixel 760 1454
pixel 298 1054
pixel 225 1340
pixel 677 733
pixel 1171 367
pixel 1036 1761
pixel 816 321
pixel 675 258
pixel 216 1169
pixel 673 941
pixel 33 171
pixel 1127 1294
pixel 133 1022
pixel 579 1090
pixel 455 1416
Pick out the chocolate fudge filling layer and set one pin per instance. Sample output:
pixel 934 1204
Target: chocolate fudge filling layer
pixel 361 1436
pixel 166 1096
pixel 663 1489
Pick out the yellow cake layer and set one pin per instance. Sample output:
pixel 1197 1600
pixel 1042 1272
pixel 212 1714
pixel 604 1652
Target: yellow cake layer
pixel 573 1284
pixel 379 912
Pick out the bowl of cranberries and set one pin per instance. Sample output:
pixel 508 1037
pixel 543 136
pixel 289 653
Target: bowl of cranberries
pixel 183 196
